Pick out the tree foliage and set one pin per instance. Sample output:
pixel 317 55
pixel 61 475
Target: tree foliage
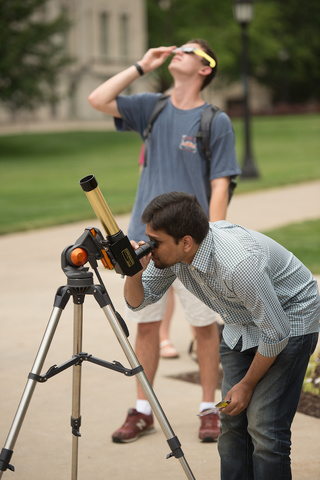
pixel 284 38
pixel 293 70
pixel 32 52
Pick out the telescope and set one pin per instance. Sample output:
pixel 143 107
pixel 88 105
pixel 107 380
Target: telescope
pixel 116 251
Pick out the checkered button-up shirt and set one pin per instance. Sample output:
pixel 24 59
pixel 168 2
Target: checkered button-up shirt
pixel 263 292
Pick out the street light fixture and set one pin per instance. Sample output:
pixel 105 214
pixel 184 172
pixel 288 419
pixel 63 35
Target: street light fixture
pixel 243 13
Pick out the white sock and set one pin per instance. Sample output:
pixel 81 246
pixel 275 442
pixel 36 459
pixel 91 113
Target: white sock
pixel 143 406
pixel 205 406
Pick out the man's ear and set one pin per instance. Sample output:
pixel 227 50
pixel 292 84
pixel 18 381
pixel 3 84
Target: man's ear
pixel 205 70
pixel 188 243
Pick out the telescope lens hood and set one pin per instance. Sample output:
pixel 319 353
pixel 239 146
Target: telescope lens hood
pixel 88 183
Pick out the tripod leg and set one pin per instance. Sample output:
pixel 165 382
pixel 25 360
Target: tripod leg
pixel 76 386
pixel 29 389
pixel 172 440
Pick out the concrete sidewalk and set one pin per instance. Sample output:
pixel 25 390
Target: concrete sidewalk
pixel 31 274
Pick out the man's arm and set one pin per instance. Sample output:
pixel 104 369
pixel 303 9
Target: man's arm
pixel 133 290
pixel 240 395
pixel 219 199
pixel 104 97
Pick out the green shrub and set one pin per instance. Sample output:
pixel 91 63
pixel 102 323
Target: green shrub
pixel 311 382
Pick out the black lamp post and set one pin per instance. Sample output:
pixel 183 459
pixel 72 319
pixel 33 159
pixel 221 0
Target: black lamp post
pixel 243 13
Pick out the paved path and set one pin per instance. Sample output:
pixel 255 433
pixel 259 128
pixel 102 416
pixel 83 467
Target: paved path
pixel 31 274
pixel 273 208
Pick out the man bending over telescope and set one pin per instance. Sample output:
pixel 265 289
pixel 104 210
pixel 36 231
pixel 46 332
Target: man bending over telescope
pixel 270 304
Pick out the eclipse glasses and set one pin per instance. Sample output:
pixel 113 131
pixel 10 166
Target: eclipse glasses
pixel 197 51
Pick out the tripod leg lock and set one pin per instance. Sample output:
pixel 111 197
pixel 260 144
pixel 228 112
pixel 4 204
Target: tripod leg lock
pixel 76 424
pixel 175 445
pixel 5 458
pixel 37 378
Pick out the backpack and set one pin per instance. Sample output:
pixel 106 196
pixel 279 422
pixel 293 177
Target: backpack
pixel 207 117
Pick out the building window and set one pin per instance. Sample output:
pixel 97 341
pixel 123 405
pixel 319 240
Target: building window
pixel 124 35
pixel 104 33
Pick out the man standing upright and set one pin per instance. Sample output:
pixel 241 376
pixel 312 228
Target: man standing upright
pixel 174 162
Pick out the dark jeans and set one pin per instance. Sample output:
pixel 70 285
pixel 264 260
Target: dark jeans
pixel 256 444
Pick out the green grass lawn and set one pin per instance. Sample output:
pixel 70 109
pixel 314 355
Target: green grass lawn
pixel 40 176
pixel 302 239
pixel 286 150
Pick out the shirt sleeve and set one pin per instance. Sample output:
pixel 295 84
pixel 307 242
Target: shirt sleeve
pixel 135 111
pixel 252 284
pixel 155 283
pixel 222 146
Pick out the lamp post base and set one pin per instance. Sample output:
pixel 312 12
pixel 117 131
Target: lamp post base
pixel 249 169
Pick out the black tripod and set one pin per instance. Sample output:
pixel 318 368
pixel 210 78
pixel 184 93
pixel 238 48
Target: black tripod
pixel 80 283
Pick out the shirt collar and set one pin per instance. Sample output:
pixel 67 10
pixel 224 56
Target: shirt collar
pixel 204 253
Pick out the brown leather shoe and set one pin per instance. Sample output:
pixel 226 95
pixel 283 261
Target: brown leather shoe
pixel 135 425
pixel 210 427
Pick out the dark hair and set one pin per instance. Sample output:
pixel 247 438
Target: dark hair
pixel 206 48
pixel 178 214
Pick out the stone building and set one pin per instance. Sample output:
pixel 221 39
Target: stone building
pixel 106 36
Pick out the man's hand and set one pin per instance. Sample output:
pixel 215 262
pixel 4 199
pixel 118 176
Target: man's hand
pixel 241 393
pixel 155 57
pixel 239 396
pixel 103 98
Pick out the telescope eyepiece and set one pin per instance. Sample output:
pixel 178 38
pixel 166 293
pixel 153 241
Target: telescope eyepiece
pixel 146 248
pixel 153 244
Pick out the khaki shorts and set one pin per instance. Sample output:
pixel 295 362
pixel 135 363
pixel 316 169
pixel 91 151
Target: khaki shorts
pixel 196 312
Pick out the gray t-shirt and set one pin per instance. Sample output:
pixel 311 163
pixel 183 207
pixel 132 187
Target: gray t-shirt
pixel 175 159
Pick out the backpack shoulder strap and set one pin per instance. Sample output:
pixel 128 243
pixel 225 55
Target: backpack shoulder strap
pixel 207 117
pixel 158 107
